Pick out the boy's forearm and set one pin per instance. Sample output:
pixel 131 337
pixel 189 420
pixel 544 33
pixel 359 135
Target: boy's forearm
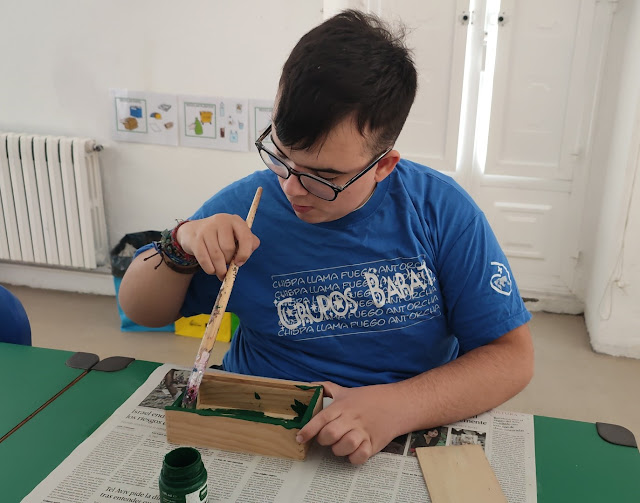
pixel 152 297
pixel 476 382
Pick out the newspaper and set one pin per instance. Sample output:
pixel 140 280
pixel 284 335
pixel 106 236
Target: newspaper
pixel 121 461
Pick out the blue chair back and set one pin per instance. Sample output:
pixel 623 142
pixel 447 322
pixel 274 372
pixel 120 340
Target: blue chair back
pixel 14 323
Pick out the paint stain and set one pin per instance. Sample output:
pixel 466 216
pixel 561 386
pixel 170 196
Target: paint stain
pixel 299 408
pixel 256 395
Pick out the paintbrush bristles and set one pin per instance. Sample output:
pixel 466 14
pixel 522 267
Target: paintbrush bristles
pixel 211 332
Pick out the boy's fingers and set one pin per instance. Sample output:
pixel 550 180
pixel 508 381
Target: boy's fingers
pixel 245 249
pixel 313 427
pixel 217 258
pixel 245 242
pixel 202 255
pixel 362 453
pixel 349 443
pixel 227 243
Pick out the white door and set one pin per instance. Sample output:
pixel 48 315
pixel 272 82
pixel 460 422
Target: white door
pixel 430 135
pixel 548 63
pixel 506 100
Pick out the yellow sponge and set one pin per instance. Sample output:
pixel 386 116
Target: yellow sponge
pixel 194 326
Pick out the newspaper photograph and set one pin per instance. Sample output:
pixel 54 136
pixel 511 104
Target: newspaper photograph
pixel 121 460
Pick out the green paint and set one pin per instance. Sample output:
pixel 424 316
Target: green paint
pixel 304 412
pixel 256 395
pixel 299 408
pixel 183 477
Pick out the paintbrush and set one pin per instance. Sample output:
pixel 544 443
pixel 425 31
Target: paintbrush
pixel 211 332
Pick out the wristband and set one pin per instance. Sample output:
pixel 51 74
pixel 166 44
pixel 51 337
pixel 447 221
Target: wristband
pixel 172 253
pixel 172 250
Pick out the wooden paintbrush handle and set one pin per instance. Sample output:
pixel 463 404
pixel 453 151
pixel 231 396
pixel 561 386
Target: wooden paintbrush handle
pixel 215 320
pixel 220 305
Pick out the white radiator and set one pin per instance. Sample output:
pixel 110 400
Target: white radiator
pixel 51 210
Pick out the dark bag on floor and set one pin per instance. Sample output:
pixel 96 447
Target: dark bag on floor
pixel 121 257
pixel 122 253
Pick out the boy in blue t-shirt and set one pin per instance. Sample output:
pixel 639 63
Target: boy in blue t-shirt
pixel 377 276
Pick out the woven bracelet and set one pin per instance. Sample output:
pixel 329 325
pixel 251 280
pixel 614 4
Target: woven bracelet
pixel 172 249
pixel 190 269
pixel 172 253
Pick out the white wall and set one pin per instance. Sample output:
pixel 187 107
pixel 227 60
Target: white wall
pixel 60 58
pixel 611 244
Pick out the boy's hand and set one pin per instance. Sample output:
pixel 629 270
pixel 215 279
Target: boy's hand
pixel 215 240
pixel 357 424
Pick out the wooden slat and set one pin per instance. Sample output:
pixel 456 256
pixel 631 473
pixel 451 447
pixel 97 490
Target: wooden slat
pixel 459 473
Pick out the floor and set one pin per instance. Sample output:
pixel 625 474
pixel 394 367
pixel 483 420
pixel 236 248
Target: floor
pixel 571 381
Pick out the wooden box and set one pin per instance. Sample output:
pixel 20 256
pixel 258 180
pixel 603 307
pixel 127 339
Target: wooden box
pixel 246 414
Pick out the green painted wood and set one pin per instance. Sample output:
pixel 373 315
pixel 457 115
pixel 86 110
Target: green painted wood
pixel 30 454
pixel 36 374
pixel 574 464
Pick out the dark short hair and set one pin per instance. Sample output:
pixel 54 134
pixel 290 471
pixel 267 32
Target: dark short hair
pixel 350 65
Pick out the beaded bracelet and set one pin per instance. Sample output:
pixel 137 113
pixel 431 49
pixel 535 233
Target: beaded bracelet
pixel 172 253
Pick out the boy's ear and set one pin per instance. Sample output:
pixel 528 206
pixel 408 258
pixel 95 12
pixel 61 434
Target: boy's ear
pixel 386 165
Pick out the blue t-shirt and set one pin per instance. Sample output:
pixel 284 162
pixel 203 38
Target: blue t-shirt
pixel 402 285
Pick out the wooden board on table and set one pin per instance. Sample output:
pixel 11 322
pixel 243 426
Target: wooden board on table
pixel 458 473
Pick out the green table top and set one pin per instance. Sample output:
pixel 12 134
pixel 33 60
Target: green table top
pixel 572 462
pixel 46 440
pixel 37 374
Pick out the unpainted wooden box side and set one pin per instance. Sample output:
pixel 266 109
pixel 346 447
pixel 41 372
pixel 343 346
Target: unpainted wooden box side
pixel 253 395
pixel 184 428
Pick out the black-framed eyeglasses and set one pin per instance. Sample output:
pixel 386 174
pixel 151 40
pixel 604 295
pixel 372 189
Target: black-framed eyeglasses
pixel 313 184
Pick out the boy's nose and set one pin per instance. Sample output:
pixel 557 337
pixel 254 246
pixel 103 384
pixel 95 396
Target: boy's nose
pixel 292 186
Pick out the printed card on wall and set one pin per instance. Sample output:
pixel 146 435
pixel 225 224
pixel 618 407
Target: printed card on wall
pixel 144 117
pixel 260 112
pixel 214 122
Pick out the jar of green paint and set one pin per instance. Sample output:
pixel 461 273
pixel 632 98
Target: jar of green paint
pixel 183 478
